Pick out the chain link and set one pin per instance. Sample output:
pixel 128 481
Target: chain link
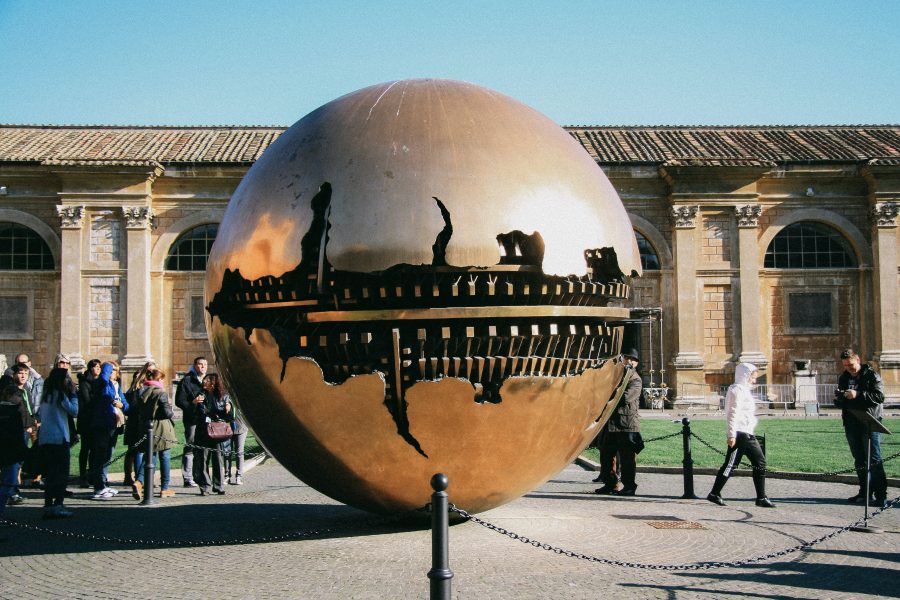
pixel 663 437
pixel 696 566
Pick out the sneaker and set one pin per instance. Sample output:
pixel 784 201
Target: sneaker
pixel 765 503
pixel 103 494
pixel 190 484
pixel 113 491
pixel 16 500
pixel 716 499
pixel 166 493
pixel 136 488
pixel 238 480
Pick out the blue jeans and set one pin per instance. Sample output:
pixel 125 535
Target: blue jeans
pixel 9 476
pixel 165 463
pixel 857 438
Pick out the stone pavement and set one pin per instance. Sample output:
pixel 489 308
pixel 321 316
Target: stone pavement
pixel 219 546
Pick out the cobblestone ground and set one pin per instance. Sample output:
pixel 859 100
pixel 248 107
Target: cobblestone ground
pixel 221 546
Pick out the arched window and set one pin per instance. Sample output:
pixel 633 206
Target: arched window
pixel 808 245
pixel 191 249
pixel 21 249
pixel 649 258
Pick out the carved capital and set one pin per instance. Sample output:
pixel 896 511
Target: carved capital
pixel 884 214
pixel 138 217
pixel 748 215
pixel 70 217
pixel 685 216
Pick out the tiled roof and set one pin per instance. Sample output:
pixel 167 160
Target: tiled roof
pixel 740 146
pixel 67 145
pixel 708 146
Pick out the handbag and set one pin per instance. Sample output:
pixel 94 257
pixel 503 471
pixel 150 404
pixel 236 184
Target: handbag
pixel 218 431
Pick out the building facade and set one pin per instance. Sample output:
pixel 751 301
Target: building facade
pixel 762 244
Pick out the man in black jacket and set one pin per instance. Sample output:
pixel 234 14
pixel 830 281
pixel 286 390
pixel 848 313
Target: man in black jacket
pixel 623 433
pixel 860 388
pixel 189 389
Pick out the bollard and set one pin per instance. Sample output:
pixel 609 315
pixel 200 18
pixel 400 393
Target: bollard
pixel 440 573
pixel 688 462
pixel 148 468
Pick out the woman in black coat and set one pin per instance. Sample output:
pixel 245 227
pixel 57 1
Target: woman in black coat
pixel 214 406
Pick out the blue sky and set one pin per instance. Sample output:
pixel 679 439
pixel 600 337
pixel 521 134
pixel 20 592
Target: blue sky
pixel 270 62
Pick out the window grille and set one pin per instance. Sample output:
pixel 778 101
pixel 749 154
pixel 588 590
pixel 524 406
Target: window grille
pixel 21 249
pixel 809 246
pixel 191 250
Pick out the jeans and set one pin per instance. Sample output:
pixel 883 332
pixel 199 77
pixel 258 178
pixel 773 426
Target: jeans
pixel 857 438
pixel 9 476
pixel 201 473
pixel 101 451
pixel 187 459
pixel 237 451
pixel 164 467
pixel 55 471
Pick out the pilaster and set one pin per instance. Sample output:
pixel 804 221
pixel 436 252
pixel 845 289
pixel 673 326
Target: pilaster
pixel 138 224
pixel 748 258
pixel 887 290
pixel 71 334
pixel 688 363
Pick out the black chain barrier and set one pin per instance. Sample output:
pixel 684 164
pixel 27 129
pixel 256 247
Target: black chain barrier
pixel 797 475
pixel 663 437
pixel 696 566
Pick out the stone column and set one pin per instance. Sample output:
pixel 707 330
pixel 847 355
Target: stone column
pixel 887 289
pixel 748 257
pixel 72 313
pixel 138 220
pixel 688 363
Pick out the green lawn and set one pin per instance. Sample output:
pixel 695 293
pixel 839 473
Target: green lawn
pixel 806 445
pixel 251 447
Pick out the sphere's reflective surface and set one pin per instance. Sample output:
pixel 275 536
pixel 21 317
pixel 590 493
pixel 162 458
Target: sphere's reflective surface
pixel 419 277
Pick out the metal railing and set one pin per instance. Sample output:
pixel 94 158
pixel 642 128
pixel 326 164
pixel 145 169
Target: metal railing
pixel 774 396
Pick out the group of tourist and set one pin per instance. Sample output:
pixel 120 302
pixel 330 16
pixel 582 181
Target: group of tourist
pixel 860 395
pixel 40 421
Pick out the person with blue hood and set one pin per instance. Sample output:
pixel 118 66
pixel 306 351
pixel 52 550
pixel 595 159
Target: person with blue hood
pixel 108 414
pixel 740 420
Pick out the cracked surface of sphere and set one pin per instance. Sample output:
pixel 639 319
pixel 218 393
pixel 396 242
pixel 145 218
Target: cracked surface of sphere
pixel 422 276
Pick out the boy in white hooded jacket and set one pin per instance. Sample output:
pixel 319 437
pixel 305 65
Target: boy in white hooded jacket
pixel 740 419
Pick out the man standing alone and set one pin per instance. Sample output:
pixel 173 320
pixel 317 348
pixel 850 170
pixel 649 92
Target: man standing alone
pixel 623 433
pixel 189 389
pixel 860 388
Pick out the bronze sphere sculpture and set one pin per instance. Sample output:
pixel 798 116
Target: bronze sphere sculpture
pixel 422 276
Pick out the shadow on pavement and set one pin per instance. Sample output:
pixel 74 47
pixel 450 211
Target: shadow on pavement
pixel 117 527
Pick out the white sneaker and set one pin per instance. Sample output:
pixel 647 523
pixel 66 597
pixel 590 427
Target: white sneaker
pixel 238 480
pixel 232 481
pixel 103 494
pixel 113 491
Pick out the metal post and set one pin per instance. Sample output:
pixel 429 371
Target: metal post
pixel 688 462
pixel 440 573
pixel 148 468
